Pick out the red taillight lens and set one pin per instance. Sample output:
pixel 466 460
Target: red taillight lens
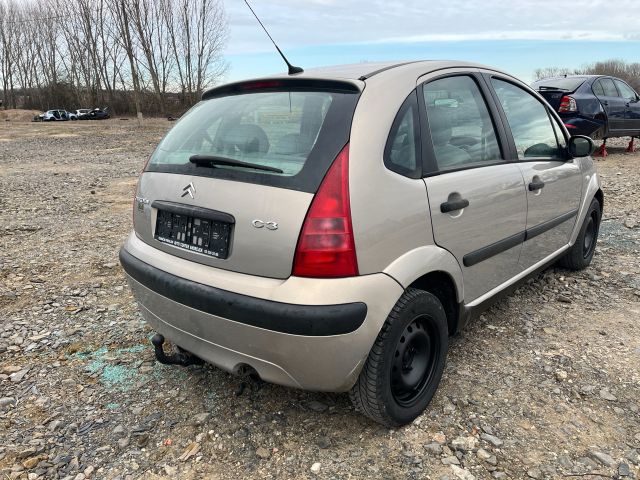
pixel 326 248
pixel 568 104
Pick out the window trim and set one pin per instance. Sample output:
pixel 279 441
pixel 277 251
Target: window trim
pixel 430 165
pixel 411 102
pixel 552 115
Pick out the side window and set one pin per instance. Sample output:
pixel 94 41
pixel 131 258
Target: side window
pixel 403 145
pixel 529 120
pixel 460 124
pixel 597 89
pixel 625 90
pixel 608 87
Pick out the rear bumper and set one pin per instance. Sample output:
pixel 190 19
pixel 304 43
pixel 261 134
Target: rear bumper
pixel 311 320
pixel 305 333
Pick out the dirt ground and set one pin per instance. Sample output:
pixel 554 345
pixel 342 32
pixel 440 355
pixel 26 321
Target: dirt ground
pixel 546 384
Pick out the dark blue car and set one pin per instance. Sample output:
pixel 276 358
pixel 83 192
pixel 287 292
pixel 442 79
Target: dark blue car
pixel 593 105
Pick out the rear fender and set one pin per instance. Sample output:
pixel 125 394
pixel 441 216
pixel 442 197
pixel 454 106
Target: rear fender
pixel 420 261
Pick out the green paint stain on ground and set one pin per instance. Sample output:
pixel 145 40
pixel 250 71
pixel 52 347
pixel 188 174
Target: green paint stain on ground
pixel 113 406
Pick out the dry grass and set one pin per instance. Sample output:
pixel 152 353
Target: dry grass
pixel 17 115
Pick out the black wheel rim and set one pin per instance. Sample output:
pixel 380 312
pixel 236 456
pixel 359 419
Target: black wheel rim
pixel 590 235
pixel 414 361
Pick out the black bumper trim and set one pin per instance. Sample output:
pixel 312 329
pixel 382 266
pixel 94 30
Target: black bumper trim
pixel 309 320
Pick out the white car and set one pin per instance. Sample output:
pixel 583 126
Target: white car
pixel 54 116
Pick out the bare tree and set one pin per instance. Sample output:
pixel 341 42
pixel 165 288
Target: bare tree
pixel 139 53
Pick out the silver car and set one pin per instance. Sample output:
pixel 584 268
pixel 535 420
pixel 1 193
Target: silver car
pixel 54 115
pixel 330 230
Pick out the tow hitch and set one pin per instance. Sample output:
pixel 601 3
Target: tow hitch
pixel 181 357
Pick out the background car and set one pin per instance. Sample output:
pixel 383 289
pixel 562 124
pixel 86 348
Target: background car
pixel 594 105
pixel 99 114
pixel 83 113
pixel 56 115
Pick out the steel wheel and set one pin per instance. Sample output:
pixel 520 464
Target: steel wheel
pixel 414 362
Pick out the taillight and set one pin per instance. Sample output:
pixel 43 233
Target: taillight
pixel 326 248
pixel 568 104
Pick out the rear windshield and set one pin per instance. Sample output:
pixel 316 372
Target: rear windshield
pixel 566 84
pixel 296 132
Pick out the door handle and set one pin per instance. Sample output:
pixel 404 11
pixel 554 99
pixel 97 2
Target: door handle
pixel 605 103
pixel 536 185
pixel 454 205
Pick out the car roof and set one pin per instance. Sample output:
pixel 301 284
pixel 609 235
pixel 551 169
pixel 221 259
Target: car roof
pixel 358 72
pixel 364 70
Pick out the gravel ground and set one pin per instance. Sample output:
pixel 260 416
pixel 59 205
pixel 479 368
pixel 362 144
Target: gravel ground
pixel 546 384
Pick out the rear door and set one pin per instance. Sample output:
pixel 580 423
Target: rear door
pixel 477 200
pixel 632 113
pixel 613 104
pixel 263 149
pixel 553 182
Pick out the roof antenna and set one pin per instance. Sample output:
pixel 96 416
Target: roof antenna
pixel 292 68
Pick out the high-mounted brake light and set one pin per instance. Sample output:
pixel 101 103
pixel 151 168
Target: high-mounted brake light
pixel 326 248
pixel 568 104
pixel 261 84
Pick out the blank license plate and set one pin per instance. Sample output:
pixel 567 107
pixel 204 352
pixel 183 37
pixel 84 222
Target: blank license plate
pixel 209 237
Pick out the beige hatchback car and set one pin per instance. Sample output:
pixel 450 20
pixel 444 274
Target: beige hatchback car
pixel 330 230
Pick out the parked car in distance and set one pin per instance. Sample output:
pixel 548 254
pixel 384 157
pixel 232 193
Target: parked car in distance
pixel 83 113
pixel 99 114
pixel 594 105
pixel 330 230
pixel 56 115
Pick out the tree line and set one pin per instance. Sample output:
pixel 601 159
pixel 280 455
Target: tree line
pixel 151 56
pixel 629 72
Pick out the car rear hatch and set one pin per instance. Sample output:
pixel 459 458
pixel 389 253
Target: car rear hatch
pixel 554 89
pixel 230 185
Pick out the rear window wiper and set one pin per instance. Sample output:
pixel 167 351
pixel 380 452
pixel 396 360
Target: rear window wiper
pixel 213 161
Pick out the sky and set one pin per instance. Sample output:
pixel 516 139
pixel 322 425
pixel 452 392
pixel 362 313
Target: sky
pixel 517 36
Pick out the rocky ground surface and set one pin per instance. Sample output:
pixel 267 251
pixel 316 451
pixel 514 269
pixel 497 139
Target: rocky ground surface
pixel 546 384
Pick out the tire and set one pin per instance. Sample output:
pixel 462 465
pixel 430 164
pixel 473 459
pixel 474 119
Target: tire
pixel 581 253
pixel 405 364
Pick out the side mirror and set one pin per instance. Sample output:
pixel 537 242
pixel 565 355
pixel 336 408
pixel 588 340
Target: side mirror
pixel 581 146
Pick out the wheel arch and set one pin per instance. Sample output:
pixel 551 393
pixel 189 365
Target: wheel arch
pixel 599 195
pixel 441 285
pixel 590 190
pixel 435 270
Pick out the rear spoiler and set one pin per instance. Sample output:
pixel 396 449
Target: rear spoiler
pixel 280 84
